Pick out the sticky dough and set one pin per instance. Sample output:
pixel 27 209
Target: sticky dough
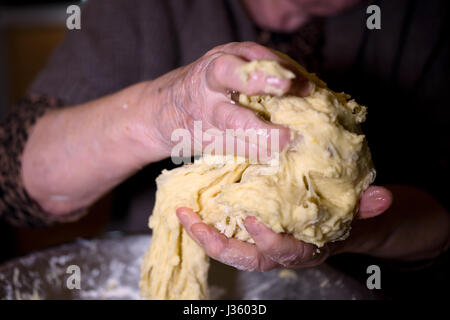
pixel 313 194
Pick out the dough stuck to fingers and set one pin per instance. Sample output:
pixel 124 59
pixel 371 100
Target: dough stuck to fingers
pixel 311 192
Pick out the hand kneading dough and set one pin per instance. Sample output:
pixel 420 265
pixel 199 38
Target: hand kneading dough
pixel 313 194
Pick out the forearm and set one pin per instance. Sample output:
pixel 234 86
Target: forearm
pixel 416 227
pixel 76 154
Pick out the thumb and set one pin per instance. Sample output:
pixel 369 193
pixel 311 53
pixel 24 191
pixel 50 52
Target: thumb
pixel 374 202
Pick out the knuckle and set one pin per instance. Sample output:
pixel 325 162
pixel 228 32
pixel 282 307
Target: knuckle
pixel 253 49
pixel 214 50
pixel 216 248
pixel 236 118
pixel 185 89
pixel 257 48
pixel 214 69
pixel 265 264
pixel 220 65
pixel 230 46
pixel 258 51
pixel 250 45
pixel 306 251
pixel 273 245
pixel 289 259
pixel 222 48
pixel 198 67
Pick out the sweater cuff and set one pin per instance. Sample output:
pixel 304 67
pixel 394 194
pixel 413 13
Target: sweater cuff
pixel 16 205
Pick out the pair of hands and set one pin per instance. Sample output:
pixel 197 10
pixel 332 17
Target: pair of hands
pixel 199 91
pixel 273 250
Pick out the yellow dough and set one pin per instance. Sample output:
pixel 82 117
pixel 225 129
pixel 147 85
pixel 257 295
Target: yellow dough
pixel 313 194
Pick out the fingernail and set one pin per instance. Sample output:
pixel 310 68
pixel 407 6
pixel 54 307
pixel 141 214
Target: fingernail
pixel 273 81
pixel 376 200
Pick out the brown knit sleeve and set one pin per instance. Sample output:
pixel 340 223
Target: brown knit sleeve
pixel 16 206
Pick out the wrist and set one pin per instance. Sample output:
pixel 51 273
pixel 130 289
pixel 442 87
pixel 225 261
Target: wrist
pixel 138 124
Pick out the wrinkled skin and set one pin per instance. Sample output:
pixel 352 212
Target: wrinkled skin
pixel 272 250
pixel 201 91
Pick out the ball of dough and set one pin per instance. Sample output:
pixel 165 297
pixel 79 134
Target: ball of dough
pixel 312 193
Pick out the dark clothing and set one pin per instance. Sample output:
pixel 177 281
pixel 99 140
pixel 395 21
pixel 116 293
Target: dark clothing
pixel 16 206
pixel 400 72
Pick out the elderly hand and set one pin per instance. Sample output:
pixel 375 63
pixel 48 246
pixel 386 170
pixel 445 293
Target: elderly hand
pixel 201 90
pixel 272 250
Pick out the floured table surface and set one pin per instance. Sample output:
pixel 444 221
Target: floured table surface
pixel 110 269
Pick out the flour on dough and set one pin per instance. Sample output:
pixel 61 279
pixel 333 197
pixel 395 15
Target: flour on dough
pixel 313 194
